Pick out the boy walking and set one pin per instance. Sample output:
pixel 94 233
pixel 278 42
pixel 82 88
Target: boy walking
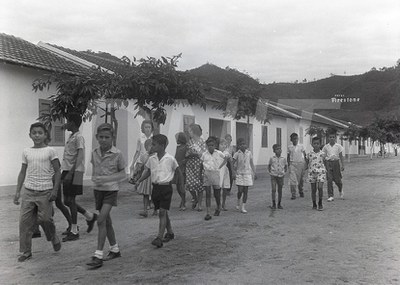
pixel 277 167
pixel 39 164
pixel 108 170
pixel 161 166
pixel 316 172
pixel 73 167
pixel 334 165
pixel 296 161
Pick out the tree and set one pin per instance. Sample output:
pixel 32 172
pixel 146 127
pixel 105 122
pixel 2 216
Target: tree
pixel 152 84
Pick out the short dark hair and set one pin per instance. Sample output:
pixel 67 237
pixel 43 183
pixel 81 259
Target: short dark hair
pixel 275 146
pixel 331 131
pixel 105 127
pixel 161 139
pixel 76 118
pixel 293 135
pixel 240 141
pixel 39 125
pixel 147 143
pixel 316 139
pixel 212 139
pixel 148 122
pixel 196 129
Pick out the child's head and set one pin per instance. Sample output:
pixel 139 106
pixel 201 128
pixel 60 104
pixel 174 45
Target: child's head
pixel 159 143
pixel 277 149
pixel 147 127
pixel 332 136
pixel 316 143
pixel 38 133
pixel 241 144
pixel 223 144
pixel 105 136
pixel 211 144
pixel 147 145
pixel 181 138
pixel 228 138
pixel 294 138
pixel 74 121
pixel 195 130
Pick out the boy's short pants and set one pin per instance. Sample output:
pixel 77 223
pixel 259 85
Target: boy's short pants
pixel 161 196
pixel 105 197
pixel 314 177
pixel 75 186
pixel 212 178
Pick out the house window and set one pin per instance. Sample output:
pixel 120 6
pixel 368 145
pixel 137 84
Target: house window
pixel 301 134
pixel 187 121
pixel 264 136
pixel 57 134
pixel 279 136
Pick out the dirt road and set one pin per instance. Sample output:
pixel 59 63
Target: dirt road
pixel 353 241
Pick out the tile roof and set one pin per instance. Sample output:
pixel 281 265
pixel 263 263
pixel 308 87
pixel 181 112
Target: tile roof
pixel 21 52
pixel 104 60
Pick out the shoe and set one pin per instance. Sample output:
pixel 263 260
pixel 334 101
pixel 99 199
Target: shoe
pixel 67 231
pixel 314 207
pixel 57 246
pixel 342 195
pixel 71 237
pixel 224 209
pixel 243 211
pixel 280 207
pixel 112 255
pixel 194 204
pixel 273 207
pixel 330 199
pixel 24 257
pixel 320 207
pixel 207 217
pixel 301 194
pixel 143 214
pixel 37 234
pixel 238 207
pixel 157 242
pixel 199 209
pixel 293 198
pixel 168 237
pixel 216 213
pixel 91 223
pixel 95 262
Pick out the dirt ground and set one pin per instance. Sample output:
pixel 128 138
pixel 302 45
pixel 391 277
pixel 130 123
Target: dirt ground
pixel 353 241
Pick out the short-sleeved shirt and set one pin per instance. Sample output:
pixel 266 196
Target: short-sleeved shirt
pixel 39 171
pixel 72 146
pixel 213 161
pixel 243 161
pixel 332 152
pixel 112 162
pixel 316 162
pixel 162 170
pixel 277 166
pixel 296 153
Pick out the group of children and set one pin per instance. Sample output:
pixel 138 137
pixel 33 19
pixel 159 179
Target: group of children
pixel 197 167
pixel 323 164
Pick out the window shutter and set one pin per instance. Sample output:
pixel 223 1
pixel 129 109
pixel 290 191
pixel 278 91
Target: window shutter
pixel 56 132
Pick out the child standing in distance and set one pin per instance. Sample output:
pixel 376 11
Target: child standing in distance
pixel 180 156
pixel 108 170
pixel 73 167
pixel 143 188
pixel 213 161
pixel 277 167
pixel 161 166
pixel 225 172
pixel 334 164
pixel 316 172
pixel 296 161
pixel 245 171
pixel 147 132
pixel 39 164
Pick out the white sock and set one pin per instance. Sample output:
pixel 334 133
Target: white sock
pixel 114 248
pixel 74 228
pixel 98 254
pixel 88 215
pixel 243 206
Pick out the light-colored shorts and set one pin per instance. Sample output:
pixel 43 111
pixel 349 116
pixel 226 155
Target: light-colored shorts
pixel 244 180
pixel 211 178
pixel 296 173
pixel 314 177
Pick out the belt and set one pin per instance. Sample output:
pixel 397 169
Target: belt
pixel 162 184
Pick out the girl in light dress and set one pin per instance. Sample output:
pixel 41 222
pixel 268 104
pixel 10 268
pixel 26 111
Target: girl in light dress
pixel 225 172
pixel 147 133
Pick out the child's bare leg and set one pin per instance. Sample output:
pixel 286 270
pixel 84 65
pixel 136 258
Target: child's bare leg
pixel 217 196
pixel 239 196
pixel 163 222
pixel 102 225
pixel 110 231
pixel 320 190
pixel 168 224
pixel 200 200
pixel 207 189
pixel 245 191
pixel 314 194
pixel 224 195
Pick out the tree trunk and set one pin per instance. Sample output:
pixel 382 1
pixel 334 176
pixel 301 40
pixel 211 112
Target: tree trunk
pixel 248 132
pixel 114 123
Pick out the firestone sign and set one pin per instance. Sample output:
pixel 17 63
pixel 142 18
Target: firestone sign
pixel 340 98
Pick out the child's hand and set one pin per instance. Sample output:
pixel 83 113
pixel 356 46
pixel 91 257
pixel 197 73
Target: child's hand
pixel 342 168
pixel 98 180
pixel 52 196
pixel 255 176
pixel 16 198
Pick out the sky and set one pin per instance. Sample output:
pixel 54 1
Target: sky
pixel 273 41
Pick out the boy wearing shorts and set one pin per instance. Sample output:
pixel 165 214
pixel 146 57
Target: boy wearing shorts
pixel 108 170
pixel 161 166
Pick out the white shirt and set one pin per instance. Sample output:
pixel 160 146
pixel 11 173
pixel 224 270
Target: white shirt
pixel 162 171
pixel 332 152
pixel 296 153
pixel 39 171
pixel 213 161
pixel 73 145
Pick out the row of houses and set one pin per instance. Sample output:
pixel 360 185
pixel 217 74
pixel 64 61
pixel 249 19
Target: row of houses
pixel 21 62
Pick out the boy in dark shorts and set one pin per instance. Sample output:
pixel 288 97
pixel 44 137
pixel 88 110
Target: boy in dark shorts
pixel 161 166
pixel 73 167
pixel 108 170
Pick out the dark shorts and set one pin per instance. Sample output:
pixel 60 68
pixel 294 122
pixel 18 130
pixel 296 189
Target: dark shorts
pixel 278 180
pixel 75 187
pixel 105 197
pixel 161 196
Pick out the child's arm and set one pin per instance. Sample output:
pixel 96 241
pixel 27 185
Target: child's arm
pixel 253 168
pixel 20 181
pixel 224 161
pixel 341 162
pixel 57 179
pixel 115 177
pixel 269 165
pixel 146 173
pixel 288 158
pixel 179 174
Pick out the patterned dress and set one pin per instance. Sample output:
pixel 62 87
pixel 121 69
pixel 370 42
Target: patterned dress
pixel 194 175
pixel 316 167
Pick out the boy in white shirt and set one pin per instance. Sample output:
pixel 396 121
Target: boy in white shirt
pixel 296 162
